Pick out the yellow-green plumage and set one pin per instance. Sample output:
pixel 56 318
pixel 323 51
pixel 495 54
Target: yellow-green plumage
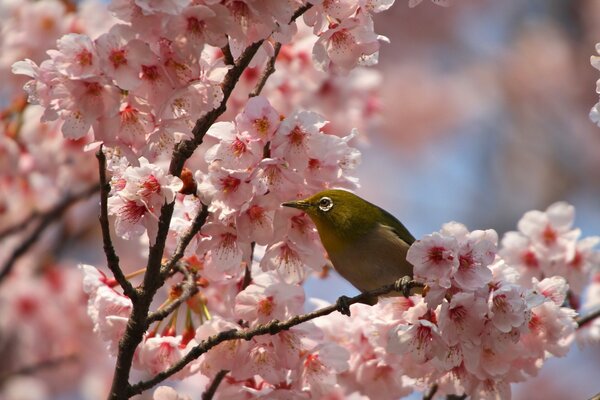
pixel 365 243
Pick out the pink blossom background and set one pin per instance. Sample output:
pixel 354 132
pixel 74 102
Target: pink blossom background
pixel 484 115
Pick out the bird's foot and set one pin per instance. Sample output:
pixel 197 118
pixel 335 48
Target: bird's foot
pixel 405 284
pixel 342 305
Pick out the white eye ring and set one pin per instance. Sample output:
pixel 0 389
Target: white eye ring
pixel 325 204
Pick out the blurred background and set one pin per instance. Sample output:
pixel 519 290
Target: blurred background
pixel 485 116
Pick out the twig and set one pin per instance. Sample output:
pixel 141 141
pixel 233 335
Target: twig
pixel 595 397
pixel 189 289
pixel 269 70
pixel 227 56
pixel 272 328
pixel 212 389
pixel 247 272
pixel 112 260
pixel 587 318
pixel 45 220
pixel 185 240
pixel 428 395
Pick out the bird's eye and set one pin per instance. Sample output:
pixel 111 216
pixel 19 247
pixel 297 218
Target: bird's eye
pixel 325 204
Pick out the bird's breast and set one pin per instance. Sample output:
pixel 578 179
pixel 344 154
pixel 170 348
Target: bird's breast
pixel 374 260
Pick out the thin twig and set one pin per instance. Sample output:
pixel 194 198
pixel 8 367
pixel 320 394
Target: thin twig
pixel 269 70
pixel 45 220
pixel 214 385
pixel 430 392
pixel 587 318
pixel 185 240
pixel 272 328
pixel 189 289
pixel 247 270
pixel 112 260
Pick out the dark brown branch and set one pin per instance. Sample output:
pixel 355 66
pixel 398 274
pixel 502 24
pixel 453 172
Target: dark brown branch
pixel 227 56
pixel 185 240
pixel 189 289
pixel 428 395
pixel 587 318
pixel 112 260
pixel 45 220
pixel 595 397
pixel 269 70
pixel 153 278
pixel 271 328
pixel 214 385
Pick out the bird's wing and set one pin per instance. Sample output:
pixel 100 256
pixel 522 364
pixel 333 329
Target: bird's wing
pixel 398 228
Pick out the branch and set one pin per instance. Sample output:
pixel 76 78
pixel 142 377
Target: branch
pixel 430 392
pixel 22 225
pixel 212 389
pixel 112 260
pixel 40 366
pixel 189 289
pixel 271 328
pixel 587 318
pixel 269 70
pixel 153 278
pixel 227 56
pixel 185 240
pixel 45 220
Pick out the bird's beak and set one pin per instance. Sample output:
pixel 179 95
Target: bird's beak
pixel 300 204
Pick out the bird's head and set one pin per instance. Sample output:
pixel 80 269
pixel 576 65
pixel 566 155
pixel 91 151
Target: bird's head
pixel 341 217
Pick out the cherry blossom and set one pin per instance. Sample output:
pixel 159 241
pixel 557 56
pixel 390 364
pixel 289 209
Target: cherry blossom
pixel 267 298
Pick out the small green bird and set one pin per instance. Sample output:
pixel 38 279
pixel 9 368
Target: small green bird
pixel 366 244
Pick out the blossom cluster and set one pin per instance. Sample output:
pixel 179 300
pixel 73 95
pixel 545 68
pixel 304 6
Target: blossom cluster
pixel 142 85
pixel 482 323
pixel 245 169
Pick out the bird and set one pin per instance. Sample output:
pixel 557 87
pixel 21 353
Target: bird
pixel 366 244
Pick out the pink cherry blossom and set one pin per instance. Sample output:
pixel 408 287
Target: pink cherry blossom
pixel 226 189
pixel 346 45
pixel 224 356
pixel 255 221
pixel 76 57
pixel 259 119
pixel 121 56
pixel 462 319
pixel 435 259
pixel 550 231
pixel 158 353
pixel 140 193
pixel 234 150
pixel 290 260
pixel 268 298
pixel 293 137
pixel 108 309
pixel 507 307
pixel 422 340
pixel 225 252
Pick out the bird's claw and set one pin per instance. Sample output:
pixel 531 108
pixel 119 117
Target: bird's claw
pixel 342 305
pixel 404 285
